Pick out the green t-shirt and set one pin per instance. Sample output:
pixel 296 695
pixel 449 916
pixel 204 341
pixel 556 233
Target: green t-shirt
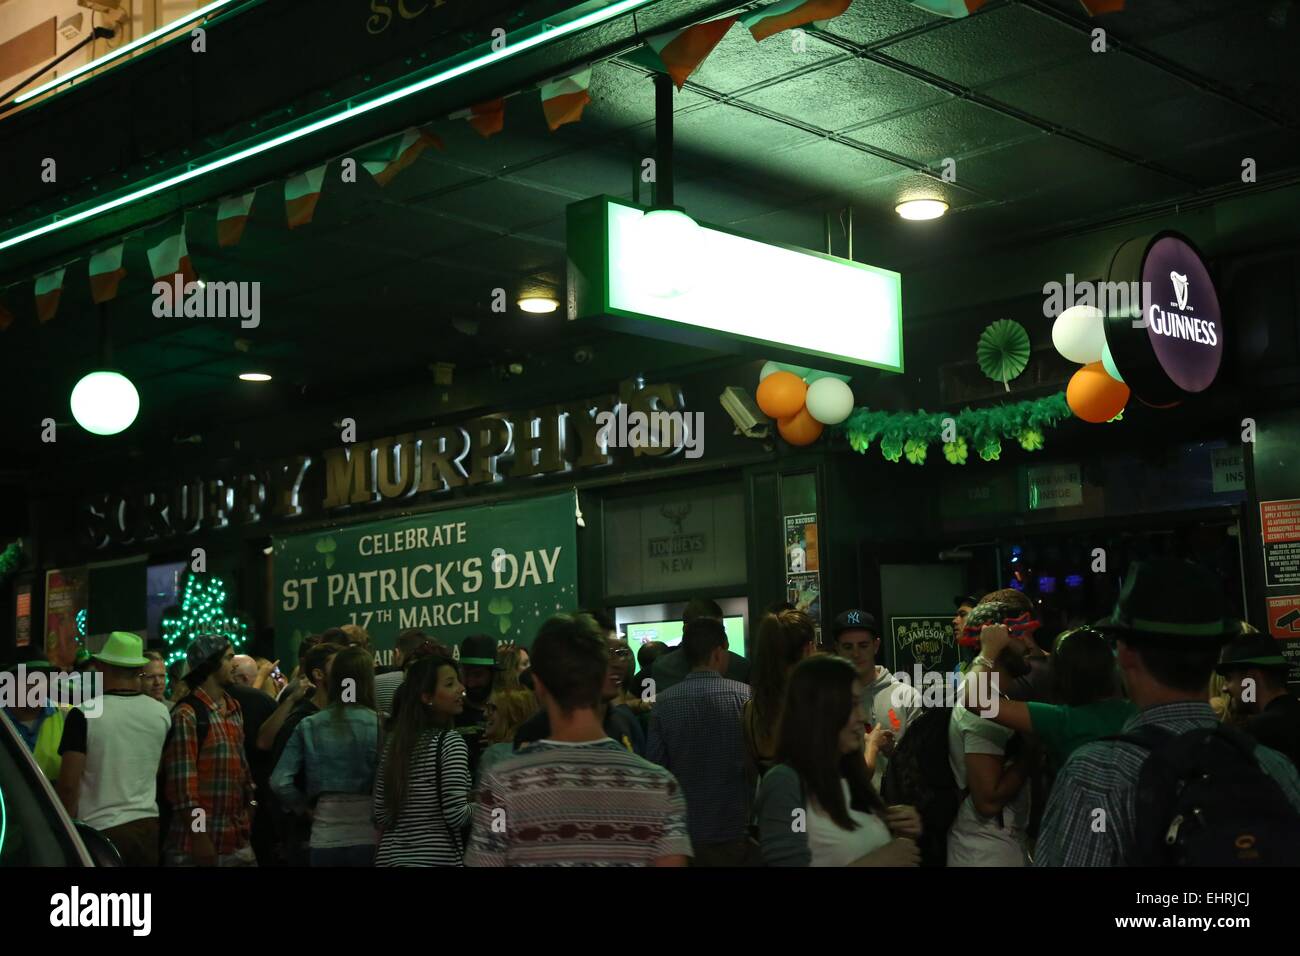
pixel 1063 729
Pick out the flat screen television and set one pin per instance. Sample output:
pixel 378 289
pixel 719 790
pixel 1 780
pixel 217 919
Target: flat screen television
pixel 670 633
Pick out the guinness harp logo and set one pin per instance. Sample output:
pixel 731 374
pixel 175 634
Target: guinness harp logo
pixel 1180 290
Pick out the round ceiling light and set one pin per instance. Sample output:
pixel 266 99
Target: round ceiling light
pixel 921 208
pixel 539 304
pixel 105 403
pixel 254 377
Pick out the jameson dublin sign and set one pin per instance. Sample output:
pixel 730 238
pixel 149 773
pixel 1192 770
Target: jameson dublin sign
pixel 925 641
pixel 498 569
pixel 1169 344
pixel 554 439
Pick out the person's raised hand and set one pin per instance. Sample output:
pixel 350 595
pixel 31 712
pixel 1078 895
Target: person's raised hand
pixel 994 639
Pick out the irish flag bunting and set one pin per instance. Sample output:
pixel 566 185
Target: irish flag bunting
pixel 232 216
pixel 171 258
pixel 488 118
pixel 681 53
pixel 388 157
pixel 563 100
pixel 48 289
pixel 301 193
pixel 105 273
pixel 788 14
pixel 953 9
pixel 1095 7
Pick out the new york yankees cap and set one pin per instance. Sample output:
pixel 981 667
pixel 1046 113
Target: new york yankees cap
pixel 854 620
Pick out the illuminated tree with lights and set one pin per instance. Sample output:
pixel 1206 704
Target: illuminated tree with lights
pixel 202 611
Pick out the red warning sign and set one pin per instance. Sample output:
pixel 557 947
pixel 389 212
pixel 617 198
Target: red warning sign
pixel 1284 617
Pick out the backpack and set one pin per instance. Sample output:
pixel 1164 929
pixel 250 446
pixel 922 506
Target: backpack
pixel 201 724
pixel 920 775
pixel 1203 800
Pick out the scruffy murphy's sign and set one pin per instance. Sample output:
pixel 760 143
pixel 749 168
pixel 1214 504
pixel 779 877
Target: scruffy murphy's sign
pixel 547 440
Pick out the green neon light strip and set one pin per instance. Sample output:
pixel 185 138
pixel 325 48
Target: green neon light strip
pixel 122 51
pixel 470 66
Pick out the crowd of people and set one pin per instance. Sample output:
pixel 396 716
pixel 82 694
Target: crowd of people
pixel 1163 735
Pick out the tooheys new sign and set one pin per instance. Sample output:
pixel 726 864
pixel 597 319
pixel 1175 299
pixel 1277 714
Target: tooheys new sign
pixel 497 569
pixel 1171 345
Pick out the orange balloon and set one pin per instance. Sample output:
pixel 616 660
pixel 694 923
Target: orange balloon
pixel 1094 396
pixel 781 395
pixel 800 429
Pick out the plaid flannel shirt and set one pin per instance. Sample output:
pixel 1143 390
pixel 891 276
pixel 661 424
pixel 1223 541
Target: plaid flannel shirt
pixel 216 780
pixel 1104 774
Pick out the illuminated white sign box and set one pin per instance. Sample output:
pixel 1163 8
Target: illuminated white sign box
pixel 738 294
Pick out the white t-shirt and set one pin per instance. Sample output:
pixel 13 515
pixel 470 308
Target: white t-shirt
pixel 977 840
pixel 123 747
pixel 831 846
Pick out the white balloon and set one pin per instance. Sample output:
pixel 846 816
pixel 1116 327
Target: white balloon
pixel 829 400
pixel 1079 334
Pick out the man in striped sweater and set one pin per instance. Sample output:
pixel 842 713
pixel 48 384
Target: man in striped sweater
pixel 576 797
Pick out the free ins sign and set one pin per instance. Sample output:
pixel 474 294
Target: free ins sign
pixel 707 286
pixel 1171 345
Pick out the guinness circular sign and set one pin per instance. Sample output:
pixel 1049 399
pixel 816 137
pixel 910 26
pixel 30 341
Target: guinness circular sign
pixel 1167 342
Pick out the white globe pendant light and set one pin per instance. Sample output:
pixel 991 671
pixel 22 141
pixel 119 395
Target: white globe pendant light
pixel 105 402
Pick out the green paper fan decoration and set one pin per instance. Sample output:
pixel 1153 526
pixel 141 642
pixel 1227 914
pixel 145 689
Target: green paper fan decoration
pixel 1003 351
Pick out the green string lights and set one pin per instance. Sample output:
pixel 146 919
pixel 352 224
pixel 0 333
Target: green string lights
pixel 203 611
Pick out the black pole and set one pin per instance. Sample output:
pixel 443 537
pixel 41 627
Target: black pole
pixel 105 342
pixel 97 33
pixel 663 194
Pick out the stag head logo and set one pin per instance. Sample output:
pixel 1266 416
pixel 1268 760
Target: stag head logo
pixel 676 514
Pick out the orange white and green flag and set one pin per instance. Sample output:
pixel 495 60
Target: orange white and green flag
pixel 232 216
pixel 388 157
pixel 1095 7
pixel 488 118
pixel 301 193
pixel 106 273
pixel 169 259
pixel 788 14
pixel 49 287
pixel 681 53
pixel 563 100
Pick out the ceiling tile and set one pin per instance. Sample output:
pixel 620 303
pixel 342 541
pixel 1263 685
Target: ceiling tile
pixel 845 94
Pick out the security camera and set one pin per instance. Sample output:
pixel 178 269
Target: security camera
pixel 739 404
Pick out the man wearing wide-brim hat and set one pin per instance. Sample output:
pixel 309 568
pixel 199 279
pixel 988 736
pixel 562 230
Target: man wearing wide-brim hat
pixel 111 749
pixel 1169 627
pixel 1255 673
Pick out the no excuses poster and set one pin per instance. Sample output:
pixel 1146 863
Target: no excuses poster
pixel 497 569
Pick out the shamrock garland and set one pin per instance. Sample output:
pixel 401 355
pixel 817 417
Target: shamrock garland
pixel 10 559
pixel 982 430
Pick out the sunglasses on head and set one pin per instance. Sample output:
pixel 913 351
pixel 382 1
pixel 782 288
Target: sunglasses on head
pixel 1022 626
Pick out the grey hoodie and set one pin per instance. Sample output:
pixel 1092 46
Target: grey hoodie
pixel 882 695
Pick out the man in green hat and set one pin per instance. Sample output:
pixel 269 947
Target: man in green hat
pixel 111 749
pixel 1255 674
pixel 1175 787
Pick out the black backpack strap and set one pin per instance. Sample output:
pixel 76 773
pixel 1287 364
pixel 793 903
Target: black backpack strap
pixel 201 719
